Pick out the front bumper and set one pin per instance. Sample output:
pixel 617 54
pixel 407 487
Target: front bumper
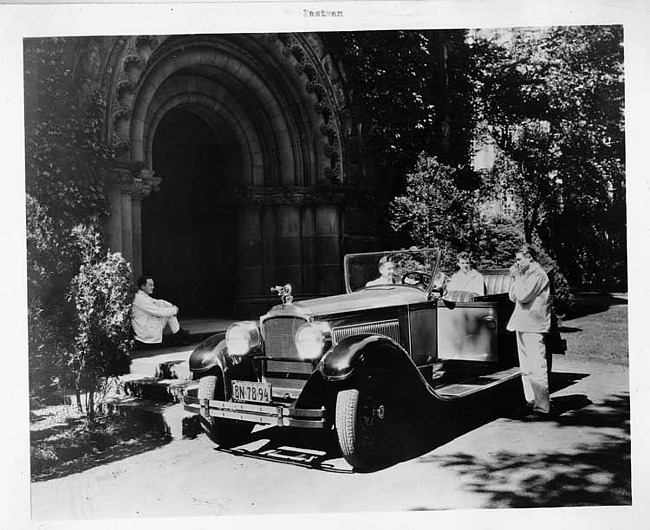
pixel 277 415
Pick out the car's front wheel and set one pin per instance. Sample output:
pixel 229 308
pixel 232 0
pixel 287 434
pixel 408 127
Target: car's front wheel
pixel 361 421
pixel 223 432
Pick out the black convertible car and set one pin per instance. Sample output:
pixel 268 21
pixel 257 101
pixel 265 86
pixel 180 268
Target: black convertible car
pixel 350 361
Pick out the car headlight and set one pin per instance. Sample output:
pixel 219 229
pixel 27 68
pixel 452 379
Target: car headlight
pixel 242 337
pixel 312 338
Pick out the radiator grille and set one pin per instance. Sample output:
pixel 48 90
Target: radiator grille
pixel 289 367
pixel 279 333
pixel 390 328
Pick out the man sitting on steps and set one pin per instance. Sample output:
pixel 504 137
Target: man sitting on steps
pixel 149 316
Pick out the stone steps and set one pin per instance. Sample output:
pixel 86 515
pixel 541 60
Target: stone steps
pixel 153 388
pixel 163 374
pixel 159 375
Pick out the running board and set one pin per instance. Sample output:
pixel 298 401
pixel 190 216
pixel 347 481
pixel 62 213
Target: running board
pixel 476 384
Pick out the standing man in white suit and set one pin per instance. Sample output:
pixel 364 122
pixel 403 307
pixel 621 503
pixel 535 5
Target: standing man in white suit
pixel 530 290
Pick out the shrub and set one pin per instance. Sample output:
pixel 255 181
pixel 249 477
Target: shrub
pixel 101 295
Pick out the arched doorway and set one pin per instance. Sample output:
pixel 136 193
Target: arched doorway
pixel 190 241
pixel 229 175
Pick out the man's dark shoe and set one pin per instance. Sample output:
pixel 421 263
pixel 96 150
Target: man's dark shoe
pixel 182 337
pixel 522 411
pixel 146 346
pixel 537 415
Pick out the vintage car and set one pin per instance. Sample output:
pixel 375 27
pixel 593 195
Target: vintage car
pixel 351 361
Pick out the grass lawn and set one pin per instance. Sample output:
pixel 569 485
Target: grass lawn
pixel 598 328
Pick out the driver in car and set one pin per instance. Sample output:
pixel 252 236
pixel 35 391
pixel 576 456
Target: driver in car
pixel 386 273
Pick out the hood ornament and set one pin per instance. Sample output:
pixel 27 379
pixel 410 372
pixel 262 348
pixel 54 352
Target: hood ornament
pixel 284 292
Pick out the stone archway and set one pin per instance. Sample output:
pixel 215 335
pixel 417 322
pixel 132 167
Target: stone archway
pixel 270 101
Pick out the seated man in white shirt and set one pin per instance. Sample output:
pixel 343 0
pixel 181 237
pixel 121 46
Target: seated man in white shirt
pixel 466 279
pixel 149 316
pixel 386 273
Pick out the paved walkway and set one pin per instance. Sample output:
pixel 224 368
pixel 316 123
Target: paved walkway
pixel 476 458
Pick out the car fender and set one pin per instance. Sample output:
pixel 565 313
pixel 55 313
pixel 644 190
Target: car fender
pixel 211 353
pixel 211 356
pixel 363 350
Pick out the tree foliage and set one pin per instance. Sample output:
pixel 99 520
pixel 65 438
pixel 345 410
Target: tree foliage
pixel 434 211
pixel 550 102
pixel 63 144
pixel 399 86
pixel 65 190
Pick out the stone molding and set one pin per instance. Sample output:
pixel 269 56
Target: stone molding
pixel 296 196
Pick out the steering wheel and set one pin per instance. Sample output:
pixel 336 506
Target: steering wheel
pixel 416 278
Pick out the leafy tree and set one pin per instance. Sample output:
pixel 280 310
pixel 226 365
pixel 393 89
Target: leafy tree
pixel 434 211
pixel 406 95
pixel 63 144
pixel 64 183
pixel 551 103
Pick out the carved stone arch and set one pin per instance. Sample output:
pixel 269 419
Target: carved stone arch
pixel 308 56
pixel 211 109
pixel 272 97
pixel 299 71
pixel 263 111
pixel 205 109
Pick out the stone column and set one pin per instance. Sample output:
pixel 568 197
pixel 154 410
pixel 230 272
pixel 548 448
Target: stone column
pixel 250 255
pixel 269 247
pixel 288 247
pixel 127 227
pixel 124 226
pixel 140 186
pixel 308 231
pixel 114 224
pixel 136 215
pixel 328 251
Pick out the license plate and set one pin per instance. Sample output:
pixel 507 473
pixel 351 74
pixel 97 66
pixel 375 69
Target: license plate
pixel 249 391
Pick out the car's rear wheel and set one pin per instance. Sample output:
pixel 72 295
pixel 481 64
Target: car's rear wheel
pixel 223 432
pixel 361 421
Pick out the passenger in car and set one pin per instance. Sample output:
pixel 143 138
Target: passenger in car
pixel 531 320
pixel 386 273
pixel 466 278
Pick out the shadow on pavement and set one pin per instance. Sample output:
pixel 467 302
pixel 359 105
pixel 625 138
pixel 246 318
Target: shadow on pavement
pixel 595 473
pixel 561 380
pixel 419 429
pixel 67 449
pixel 568 329
pixel 316 449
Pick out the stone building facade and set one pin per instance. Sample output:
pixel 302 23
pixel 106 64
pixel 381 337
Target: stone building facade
pixel 238 165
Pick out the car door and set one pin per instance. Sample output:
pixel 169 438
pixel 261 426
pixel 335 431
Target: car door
pixel 467 331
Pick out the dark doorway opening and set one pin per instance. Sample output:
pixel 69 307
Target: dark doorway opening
pixel 189 236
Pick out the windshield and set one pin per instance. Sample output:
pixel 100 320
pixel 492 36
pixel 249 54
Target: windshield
pixel 376 270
